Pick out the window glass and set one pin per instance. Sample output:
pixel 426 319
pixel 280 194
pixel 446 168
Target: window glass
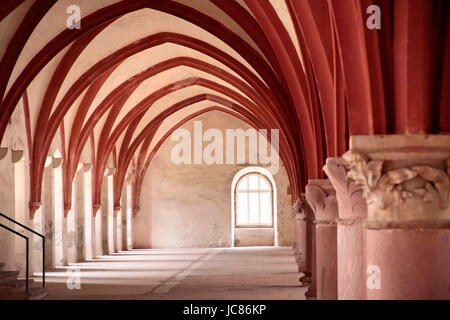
pixel 253 182
pixel 266 208
pixel 253 199
pixel 242 208
pixel 243 184
pixel 264 184
pixel 254 208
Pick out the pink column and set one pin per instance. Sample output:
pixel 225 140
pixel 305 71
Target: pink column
pixel 303 218
pixel 300 235
pixel 405 180
pixel 310 247
pixel 310 278
pixel 351 245
pixel 322 199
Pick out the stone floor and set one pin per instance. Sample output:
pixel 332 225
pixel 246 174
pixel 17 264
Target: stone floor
pixel 201 273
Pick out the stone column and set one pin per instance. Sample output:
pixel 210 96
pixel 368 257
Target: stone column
pixel 300 234
pixel 351 244
pixel 125 208
pixel 71 223
pixel 21 213
pixel 89 219
pixel 405 181
pixel 47 209
pixel 38 225
pixel 59 230
pixel 115 227
pixel 104 211
pixel 303 218
pixel 309 278
pixel 118 229
pixel 40 221
pixel 65 241
pixel 97 233
pixel 322 199
pixel 112 216
pixel 127 216
pixel 78 208
pixel 107 212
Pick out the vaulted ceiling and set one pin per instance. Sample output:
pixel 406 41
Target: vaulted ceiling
pixel 110 92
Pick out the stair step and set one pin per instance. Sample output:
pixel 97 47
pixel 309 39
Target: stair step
pixel 37 293
pixel 6 276
pixel 17 285
pixel 34 293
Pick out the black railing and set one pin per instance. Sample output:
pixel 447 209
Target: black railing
pixel 27 247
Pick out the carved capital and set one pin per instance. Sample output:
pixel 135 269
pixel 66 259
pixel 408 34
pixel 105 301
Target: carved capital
pixel 110 172
pixel 67 208
pixel 136 211
pixel 117 208
pixel 33 207
pixel 321 197
pixel 16 155
pixel 129 177
pixel 3 152
pixel 305 281
pixel 298 212
pixel 48 162
pixel 402 184
pixel 56 162
pixel 95 208
pixel 352 205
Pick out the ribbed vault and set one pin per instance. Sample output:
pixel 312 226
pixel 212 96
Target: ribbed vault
pixel 112 91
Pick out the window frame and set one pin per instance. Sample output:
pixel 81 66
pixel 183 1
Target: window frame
pixel 259 174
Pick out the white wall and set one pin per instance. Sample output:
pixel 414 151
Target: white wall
pixel 190 206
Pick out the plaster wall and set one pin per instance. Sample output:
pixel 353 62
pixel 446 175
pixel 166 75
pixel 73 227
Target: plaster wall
pixel 7 239
pixel 14 192
pixel 189 205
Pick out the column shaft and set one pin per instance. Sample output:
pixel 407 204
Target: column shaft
pixel 311 280
pixel 350 232
pixel 125 208
pixel 79 207
pixel 326 261
pixel 300 247
pixel 47 210
pixel 322 199
pixel 105 218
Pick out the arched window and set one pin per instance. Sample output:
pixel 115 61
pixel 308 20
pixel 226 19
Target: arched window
pixel 254 201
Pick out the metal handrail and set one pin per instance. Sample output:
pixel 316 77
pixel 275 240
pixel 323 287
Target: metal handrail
pixel 36 233
pixel 27 240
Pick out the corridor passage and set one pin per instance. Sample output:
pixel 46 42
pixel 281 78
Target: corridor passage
pixel 202 273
